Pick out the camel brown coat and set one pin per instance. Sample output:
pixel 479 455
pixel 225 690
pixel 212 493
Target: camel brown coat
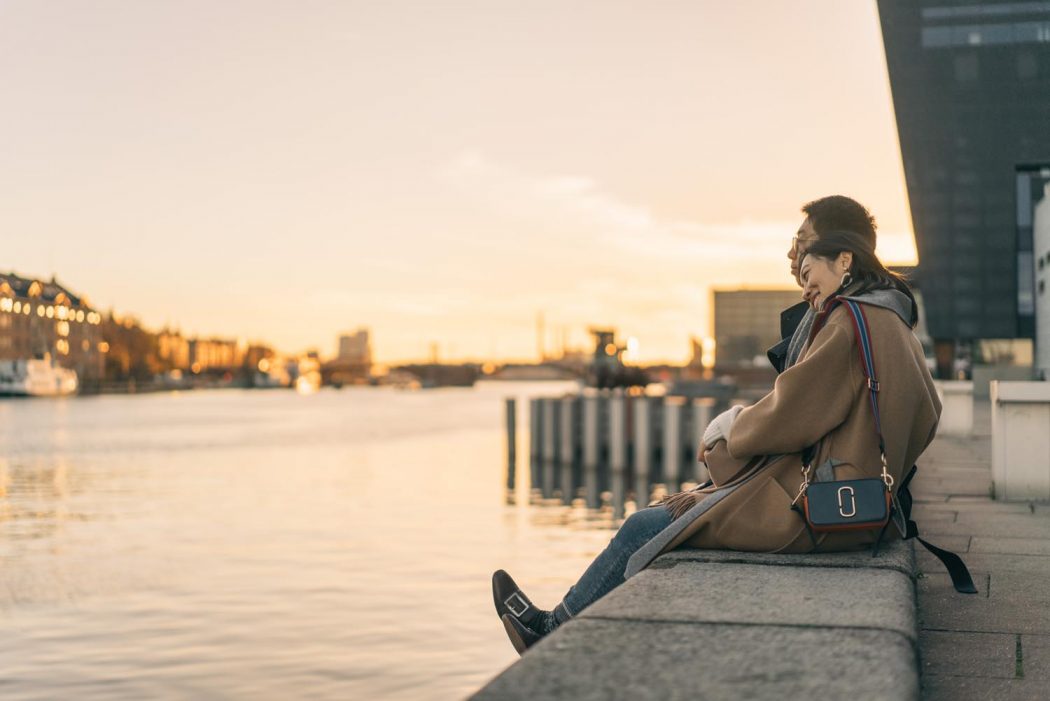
pixel 822 398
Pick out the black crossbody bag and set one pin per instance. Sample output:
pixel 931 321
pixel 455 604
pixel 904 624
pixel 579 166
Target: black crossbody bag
pixel 866 504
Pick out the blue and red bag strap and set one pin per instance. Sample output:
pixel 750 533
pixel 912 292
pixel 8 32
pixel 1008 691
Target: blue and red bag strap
pixel 867 357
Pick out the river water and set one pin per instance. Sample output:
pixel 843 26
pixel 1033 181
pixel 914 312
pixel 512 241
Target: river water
pixel 268 545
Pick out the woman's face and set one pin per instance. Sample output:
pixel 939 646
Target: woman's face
pixel 822 276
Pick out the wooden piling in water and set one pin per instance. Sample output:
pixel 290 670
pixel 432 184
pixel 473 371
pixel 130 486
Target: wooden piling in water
pixel 550 446
pixel 591 450
pixel 618 452
pixel 643 450
pixel 604 440
pixel 512 442
pixel 535 440
pixel 673 443
pixel 567 454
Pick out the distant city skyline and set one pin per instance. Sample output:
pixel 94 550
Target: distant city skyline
pixel 436 173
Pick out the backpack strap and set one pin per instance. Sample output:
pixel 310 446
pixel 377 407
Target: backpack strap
pixel 961 579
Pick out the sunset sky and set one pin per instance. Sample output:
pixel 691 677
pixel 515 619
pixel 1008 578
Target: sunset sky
pixel 439 172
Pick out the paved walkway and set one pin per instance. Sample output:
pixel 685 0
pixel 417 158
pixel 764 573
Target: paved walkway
pixel 996 644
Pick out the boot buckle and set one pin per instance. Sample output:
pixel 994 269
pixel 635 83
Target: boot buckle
pixel 516 600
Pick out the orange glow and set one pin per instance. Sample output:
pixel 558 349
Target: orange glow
pixel 633 348
pixel 707 357
pixel 632 242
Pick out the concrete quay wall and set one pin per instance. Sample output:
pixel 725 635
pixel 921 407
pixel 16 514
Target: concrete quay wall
pixel 728 625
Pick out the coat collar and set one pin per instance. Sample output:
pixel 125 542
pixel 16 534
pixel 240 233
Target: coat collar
pixel 894 300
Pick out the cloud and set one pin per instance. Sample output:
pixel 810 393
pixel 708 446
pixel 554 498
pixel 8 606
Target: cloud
pixel 578 206
pixel 556 243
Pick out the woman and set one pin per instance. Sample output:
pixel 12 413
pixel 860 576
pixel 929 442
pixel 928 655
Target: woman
pixel 754 454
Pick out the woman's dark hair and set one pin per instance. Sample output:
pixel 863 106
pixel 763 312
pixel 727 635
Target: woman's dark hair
pixel 867 270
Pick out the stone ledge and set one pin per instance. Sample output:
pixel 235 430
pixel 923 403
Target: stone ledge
pixel 895 555
pixel 716 624
pixel 703 592
pixel 593 659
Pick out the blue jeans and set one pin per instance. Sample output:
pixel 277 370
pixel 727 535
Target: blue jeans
pixel 606 572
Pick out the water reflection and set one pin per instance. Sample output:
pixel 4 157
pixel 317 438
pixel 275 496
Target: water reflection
pixel 268 545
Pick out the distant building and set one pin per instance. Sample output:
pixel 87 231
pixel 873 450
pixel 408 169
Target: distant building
pixel 255 355
pixel 355 348
pixel 39 318
pixel 607 368
pixel 353 362
pixel 173 349
pixel 971 92
pixel 747 323
pixel 214 354
pixel 608 354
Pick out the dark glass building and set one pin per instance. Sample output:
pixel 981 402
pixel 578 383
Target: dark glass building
pixel 971 90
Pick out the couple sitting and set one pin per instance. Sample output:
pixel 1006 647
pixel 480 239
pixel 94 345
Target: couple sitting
pixel 821 412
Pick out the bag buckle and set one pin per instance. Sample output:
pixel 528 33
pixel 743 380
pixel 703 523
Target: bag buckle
pixel 873 385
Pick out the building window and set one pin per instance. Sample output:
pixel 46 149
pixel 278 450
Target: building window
pixel 966 68
pixel 1025 283
pixel 986 9
pixel 989 34
pixel 1027 66
pixel 1032 32
pixel 936 37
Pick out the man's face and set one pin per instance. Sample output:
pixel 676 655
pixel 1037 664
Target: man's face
pixel 805 236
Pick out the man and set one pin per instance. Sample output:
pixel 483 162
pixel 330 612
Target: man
pixel 833 213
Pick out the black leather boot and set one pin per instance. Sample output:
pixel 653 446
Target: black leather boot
pixel 525 624
pixel 521 637
pixel 511 601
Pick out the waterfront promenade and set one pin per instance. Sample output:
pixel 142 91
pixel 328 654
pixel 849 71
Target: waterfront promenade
pixel 995 645
pixel 733 625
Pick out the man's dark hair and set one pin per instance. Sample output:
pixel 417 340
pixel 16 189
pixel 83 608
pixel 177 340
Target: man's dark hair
pixel 841 213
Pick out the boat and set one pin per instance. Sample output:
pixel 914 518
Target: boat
pixel 36 377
